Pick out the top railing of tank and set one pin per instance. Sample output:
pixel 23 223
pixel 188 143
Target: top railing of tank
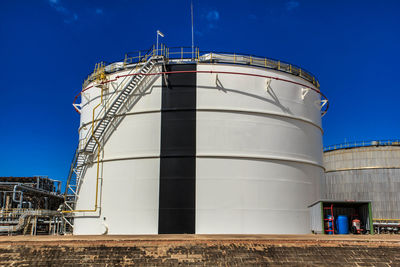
pixel 393 142
pixel 189 54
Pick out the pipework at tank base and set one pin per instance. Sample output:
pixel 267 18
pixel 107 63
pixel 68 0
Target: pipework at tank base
pixel 29 206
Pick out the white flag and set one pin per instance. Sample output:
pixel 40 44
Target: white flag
pixel 160 33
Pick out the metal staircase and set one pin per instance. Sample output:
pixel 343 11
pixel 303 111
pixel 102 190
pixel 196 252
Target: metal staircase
pixel 106 116
pixel 105 120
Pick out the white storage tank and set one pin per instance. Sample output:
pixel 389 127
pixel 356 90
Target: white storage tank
pixel 208 144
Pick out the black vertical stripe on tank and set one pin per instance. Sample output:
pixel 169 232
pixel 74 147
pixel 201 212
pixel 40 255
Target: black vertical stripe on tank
pixel 178 152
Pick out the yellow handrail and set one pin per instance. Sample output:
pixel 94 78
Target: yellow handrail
pixel 98 160
pixel 180 52
pixel 102 80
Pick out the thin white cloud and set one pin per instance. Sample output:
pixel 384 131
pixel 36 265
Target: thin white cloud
pixel 292 4
pixel 70 16
pixel 212 17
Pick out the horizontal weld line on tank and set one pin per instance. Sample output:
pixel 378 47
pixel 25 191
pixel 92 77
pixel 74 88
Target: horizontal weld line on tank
pixel 268 179
pixel 127 158
pixel 262 113
pixel 210 72
pixel 216 110
pixel 262 158
pixel 219 156
pixel 363 168
pixel 120 115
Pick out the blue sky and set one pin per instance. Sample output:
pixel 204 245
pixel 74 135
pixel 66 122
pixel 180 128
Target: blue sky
pixel 48 47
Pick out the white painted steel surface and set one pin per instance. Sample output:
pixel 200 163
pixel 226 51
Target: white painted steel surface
pixel 259 158
pixel 259 153
pixel 128 193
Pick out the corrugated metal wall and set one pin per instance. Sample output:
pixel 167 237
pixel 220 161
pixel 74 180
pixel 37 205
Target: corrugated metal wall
pixel 367 173
pixel 316 218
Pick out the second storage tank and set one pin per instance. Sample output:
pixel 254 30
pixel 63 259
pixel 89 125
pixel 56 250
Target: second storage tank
pixel 368 170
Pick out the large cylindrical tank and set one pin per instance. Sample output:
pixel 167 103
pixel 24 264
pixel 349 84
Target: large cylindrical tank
pixel 365 171
pixel 208 148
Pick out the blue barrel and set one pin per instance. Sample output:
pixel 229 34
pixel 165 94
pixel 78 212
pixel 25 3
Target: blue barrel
pixel 342 224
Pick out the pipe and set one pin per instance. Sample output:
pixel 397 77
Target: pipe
pixel 27 188
pixel 210 72
pixel 98 160
pixel 46 203
pixel 4 200
pixel 21 196
pixel 27 202
pixel 386 224
pixel 58 186
pixel 22 221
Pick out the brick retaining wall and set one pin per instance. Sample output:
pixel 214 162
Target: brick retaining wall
pixel 199 253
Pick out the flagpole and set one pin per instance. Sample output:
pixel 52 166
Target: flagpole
pixel 157 45
pixel 162 35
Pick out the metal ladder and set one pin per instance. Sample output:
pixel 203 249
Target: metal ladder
pixel 103 119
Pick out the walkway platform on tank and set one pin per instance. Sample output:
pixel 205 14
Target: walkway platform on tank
pixel 202 250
